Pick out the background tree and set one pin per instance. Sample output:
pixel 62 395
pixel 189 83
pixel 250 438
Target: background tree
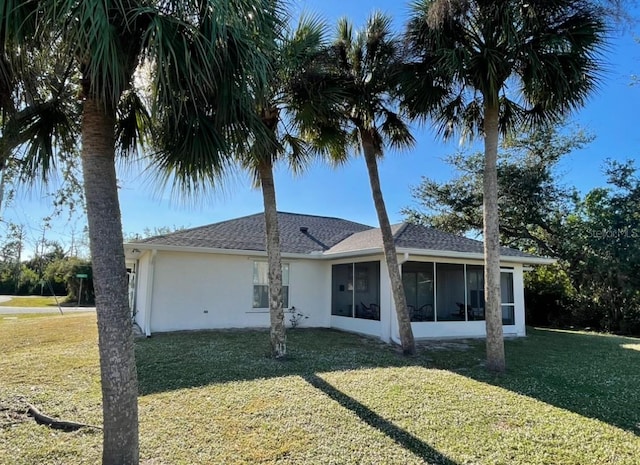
pixel 532 199
pixel 603 251
pixel 509 64
pixel 62 274
pixel 594 236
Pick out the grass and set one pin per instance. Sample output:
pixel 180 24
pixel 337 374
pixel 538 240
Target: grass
pixel 33 301
pixel 216 398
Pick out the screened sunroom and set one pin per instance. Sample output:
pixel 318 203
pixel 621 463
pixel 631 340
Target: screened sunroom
pixel 445 298
pixel 438 292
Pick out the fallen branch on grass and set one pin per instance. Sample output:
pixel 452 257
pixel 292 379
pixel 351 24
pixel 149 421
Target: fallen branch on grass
pixel 54 423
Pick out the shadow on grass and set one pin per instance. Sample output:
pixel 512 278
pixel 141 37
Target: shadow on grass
pixel 592 375
pixel 190 359
pixel 399 435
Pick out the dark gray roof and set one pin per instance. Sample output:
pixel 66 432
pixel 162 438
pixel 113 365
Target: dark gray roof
pixel 248 233
pixel 323 234
pixel 413 236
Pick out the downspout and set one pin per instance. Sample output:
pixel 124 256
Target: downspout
pixel 150 280
pixel 134 294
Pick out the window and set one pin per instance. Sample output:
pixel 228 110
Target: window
pixel 507 298
pixel 417 279
pixel 458 293
pixel 355 290
pixel 261 285
pixel 475 292
pixel 450 300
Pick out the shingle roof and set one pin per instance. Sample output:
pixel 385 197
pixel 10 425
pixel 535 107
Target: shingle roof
pixel 248 233
pixel 323 235
pixel 413 236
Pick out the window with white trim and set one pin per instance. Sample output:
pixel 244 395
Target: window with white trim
pixel 507 298
pixel 261 285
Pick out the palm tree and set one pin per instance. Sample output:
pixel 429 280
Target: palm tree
pixel 289 114
pixel 293 106
pixel 192 46
pixel 507 64
pixel 368 61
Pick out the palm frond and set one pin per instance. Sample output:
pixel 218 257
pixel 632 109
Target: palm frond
pixel 41 129
pixel 396 131
pixel 192 154
pixel 535 60
pixel 133 123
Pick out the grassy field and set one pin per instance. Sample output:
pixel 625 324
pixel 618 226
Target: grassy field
pixel 215 398
pixel 34 301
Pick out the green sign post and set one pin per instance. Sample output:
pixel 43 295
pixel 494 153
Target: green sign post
pixel 81 276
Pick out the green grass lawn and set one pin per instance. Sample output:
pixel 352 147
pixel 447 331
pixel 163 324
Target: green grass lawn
pixel 33 301
pixel 216 398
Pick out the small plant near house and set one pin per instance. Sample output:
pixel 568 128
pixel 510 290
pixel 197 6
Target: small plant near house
pixel 296 316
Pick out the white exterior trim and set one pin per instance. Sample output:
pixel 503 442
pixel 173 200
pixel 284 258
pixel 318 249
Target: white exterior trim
pixel 339 255
pixel 149 299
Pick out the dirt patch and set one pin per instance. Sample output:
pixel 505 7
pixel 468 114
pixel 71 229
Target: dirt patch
pixel 12 413
pixel 445 345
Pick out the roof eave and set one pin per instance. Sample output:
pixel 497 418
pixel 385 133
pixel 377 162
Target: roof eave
pixel 132 246
pixel 476 256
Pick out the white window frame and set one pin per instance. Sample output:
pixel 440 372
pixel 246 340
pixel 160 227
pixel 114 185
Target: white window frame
pixel 508 304
pixel 285 282
pixel 466 291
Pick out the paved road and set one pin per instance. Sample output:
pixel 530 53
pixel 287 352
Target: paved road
pixel 18 310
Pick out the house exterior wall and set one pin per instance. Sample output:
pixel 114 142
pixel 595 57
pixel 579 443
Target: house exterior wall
pixel 207 291
pixel 190 291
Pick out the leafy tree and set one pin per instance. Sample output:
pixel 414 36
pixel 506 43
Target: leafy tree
pixel 594 236
pixel 28 281
pixel 603 252
pixel 508 64
pixel 532 200
pixel 63 272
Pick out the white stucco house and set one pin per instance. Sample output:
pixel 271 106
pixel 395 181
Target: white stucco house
pixel 334 273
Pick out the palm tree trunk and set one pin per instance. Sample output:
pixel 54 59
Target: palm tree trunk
pixel 493 311
pixel 276 313
pixel 115 336
pixel 404 322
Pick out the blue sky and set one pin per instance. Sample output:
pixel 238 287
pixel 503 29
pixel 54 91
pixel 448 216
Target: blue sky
pixel 611 115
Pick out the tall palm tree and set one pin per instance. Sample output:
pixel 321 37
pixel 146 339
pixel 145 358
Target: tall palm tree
pixel 368 61
pixel 508 64
pixel 287 109
pixel 291 108
pixel 191 45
